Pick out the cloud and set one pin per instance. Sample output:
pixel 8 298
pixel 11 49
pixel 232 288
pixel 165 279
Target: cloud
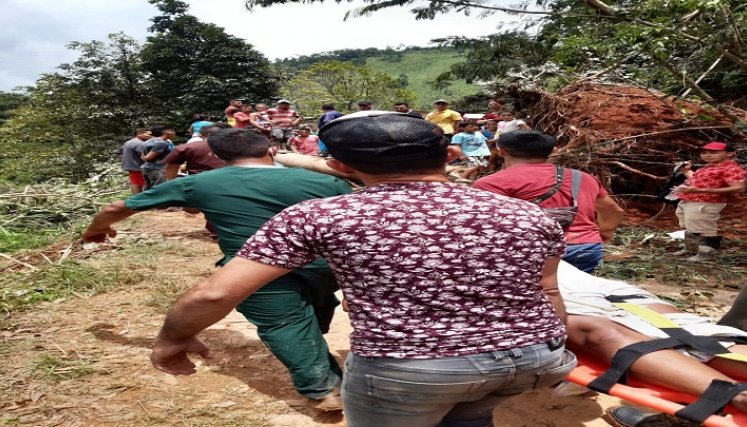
pixel 297 29
pixel 35 32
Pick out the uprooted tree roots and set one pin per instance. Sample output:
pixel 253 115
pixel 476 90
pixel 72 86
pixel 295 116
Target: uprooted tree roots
pixel 629 137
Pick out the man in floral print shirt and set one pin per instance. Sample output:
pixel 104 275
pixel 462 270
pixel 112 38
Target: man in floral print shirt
pixel 452 292
pixel 705 194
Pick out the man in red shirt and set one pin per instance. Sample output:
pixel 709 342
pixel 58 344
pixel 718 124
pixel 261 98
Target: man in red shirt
pixel 234 106
pixel 283 119
pixel 495 109
pixel 705 194
pixel 527 175
pixel 304 142
pixel 242 119
pixel 197 156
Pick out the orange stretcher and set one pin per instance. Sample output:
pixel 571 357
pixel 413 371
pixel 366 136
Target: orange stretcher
pixel 651 396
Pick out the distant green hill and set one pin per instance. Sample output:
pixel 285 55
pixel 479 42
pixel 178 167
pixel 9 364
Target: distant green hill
pixel 420 68
pixel 415 67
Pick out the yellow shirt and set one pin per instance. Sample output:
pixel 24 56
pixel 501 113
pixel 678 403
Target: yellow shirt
pixel 444 119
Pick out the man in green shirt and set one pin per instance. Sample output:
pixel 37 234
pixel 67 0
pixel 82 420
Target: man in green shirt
pixel 293 311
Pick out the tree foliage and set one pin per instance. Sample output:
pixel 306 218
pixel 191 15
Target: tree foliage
pixel 355 56
pixel 196 67
pixel 668 44
pixel 9 101
pixel 343 84
pixel 75 117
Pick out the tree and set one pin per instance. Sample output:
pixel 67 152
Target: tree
pixel 343 84
pixel 75 117
pixel 196 67
pixel 9 101
pixel 682 46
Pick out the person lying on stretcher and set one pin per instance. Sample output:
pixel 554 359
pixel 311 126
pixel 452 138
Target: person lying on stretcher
pixel 600 329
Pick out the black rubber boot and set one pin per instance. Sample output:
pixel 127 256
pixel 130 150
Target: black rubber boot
pixel 712 242
pixel 736 317
pixel 628 416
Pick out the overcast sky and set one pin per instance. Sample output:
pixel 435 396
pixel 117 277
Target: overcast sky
pixel 34 32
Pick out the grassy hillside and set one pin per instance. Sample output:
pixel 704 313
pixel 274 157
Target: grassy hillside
pixel 417 66
pixel 422 67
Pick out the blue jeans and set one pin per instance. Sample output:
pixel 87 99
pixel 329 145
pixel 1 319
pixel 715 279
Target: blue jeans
pixel 586 256
pixel 445 392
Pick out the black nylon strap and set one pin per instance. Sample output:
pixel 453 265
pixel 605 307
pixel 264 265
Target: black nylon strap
pixel 554 189
pixel 713 400
pixel 707 344
pixel 625 357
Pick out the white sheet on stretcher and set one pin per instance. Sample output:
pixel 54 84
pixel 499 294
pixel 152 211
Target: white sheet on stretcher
pixel 585 294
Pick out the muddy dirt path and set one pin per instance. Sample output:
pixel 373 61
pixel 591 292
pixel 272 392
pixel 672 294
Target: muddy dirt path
pixel 84 361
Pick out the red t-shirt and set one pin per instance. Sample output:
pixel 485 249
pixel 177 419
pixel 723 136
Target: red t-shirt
pixel 282 119
pixel 306 145
pixel 530 181
pixel 197 155
pixel 719 175
pixel 491 116
pixel 242 120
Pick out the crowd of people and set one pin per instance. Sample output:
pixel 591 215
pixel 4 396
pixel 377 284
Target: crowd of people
pixel 146 156
pixel 455 292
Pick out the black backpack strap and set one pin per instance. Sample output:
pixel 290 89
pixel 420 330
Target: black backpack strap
pixel 558 183
pixel 713 400
pixel 625 357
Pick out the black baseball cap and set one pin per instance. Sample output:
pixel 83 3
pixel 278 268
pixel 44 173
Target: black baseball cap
pixel 382 136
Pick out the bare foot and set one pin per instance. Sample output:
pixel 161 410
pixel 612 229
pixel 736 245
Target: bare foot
pixel 740 401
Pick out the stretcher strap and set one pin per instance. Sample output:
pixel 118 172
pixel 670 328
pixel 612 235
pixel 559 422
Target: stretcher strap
pixel 713 400
pixel 625 357
pixel 706 344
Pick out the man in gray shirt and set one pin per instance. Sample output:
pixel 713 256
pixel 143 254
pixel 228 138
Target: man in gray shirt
pixel 131 162
pixel 154 151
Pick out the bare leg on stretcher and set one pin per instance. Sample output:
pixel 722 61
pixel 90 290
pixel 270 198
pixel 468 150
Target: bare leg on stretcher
pixel 669 368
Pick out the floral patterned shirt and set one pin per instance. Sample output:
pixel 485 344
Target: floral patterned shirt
pixel 429 269
pixel 719 175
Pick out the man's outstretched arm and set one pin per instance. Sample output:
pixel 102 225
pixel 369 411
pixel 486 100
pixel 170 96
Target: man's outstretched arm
pixel 609 216
pixel 202 306
pixel 100 228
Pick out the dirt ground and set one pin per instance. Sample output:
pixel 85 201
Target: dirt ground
pixel 83 361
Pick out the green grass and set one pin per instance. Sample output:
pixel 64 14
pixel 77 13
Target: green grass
pixel 10 420
pixel 52 369
pixel 164 293
pixel 19 290
pixel 206 417
pixel 422 67
pixel 14 241
pixel 639 254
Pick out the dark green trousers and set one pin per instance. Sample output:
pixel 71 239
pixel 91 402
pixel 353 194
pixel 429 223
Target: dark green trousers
pixel 290 314
pixel 737 315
